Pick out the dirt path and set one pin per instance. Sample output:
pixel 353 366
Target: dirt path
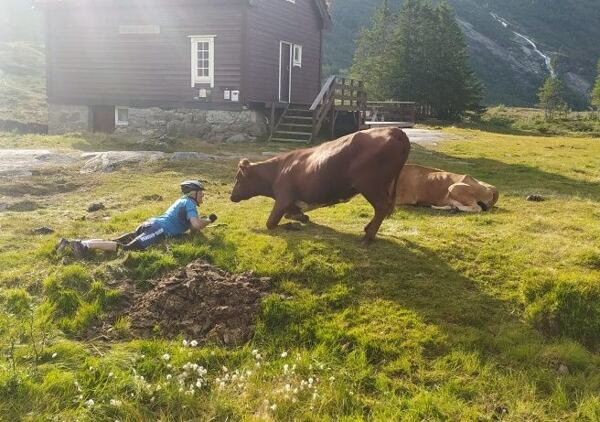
pixel 23 162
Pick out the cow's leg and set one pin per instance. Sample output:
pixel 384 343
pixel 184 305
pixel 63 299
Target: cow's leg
pixel 383 205
pixel 444 208
pixel 277 213
pixel 295 213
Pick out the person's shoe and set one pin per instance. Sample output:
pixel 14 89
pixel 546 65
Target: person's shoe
pixel 79 249
pixel 62 244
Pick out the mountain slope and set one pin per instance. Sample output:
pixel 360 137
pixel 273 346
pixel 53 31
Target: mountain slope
pixel 508 40
pixel 22 63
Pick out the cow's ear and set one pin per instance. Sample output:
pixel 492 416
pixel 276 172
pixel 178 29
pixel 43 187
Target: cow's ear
pixel 244 164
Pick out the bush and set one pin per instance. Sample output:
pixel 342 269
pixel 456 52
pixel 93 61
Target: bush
pixel 567 307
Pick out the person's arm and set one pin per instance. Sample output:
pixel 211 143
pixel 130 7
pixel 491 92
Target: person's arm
pixel 198 224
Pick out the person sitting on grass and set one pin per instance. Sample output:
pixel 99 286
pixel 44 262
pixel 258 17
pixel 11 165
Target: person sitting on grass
pixel 179 218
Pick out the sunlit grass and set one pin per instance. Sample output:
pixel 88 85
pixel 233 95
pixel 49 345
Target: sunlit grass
pixel 444 317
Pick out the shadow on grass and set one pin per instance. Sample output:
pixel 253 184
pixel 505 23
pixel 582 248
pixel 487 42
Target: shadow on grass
pixel 417 279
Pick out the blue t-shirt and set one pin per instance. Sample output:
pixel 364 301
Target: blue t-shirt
pixel 176 220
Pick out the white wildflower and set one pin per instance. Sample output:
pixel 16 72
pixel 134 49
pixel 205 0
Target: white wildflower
pixel 185 343
pixel 288 387
pixel 224 368
pixel 284 354
pixel 310 380
pixel 254 352
pixel 285 368
pixel 199 383
pixel 248 373
pixel 89 403
pixel 54 355
pixel 193 343
pixel 273 406
pixel 166 356
pixel 110 375
pixel 332 378
pixel 169 376
pixel 115 402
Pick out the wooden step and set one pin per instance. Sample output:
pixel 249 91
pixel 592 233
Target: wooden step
pixel 299 125
pixel 287 116
pixel 283 132
pixel 297 141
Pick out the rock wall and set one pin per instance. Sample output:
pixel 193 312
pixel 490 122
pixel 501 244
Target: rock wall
pixel 209 125
pixel 64 118
pixel 156 123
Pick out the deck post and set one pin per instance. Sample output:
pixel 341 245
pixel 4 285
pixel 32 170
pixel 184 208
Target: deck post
pixel 272 125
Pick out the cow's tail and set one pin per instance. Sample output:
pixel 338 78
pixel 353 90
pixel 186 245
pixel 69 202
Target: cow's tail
pixel 399 136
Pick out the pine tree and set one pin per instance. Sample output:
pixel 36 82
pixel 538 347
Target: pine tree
pixel 424 60
pixel 596 92
pixel 372 53
pixel 551 97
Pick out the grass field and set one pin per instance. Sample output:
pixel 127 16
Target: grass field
pixel 494 316
pixel 531 121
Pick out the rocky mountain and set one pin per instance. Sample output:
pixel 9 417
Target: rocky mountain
pixel 514 44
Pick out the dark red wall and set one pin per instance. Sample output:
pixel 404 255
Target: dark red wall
pixel 90 62
pixel 272 21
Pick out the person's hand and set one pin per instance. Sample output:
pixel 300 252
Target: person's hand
pixel 212 218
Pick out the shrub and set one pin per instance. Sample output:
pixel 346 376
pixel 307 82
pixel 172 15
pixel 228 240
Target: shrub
pixel 566 306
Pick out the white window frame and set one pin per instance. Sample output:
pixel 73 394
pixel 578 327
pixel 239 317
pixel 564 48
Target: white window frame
pixel 297 62
pixel 121 122
pixel 210 79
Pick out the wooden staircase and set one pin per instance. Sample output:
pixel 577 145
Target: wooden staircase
pixel 295 125
pixel 301 123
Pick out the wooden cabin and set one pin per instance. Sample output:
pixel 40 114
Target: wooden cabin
pixel 180 66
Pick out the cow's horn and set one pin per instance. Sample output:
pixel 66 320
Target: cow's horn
pixel 244 163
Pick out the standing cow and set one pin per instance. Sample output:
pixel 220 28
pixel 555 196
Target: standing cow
pixel 366 162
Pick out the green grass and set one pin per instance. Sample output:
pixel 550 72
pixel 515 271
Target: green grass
pixel 530 121
pixel 444 317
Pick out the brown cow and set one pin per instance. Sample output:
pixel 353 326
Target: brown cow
pixel 366 162
pixel 439 189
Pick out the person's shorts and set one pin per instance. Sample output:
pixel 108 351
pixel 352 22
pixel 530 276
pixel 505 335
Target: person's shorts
pixel 146 235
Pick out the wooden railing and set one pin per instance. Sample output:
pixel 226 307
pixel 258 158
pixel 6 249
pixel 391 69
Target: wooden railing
pixel 337 94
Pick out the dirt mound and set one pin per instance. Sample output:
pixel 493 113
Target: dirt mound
pixel 201 302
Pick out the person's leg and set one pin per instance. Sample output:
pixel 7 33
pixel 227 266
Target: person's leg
pixel 151 234
pixel 100 244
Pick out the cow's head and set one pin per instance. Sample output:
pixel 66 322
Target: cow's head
pixel 248 182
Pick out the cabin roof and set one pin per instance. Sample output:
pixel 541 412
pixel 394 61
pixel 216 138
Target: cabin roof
pixel 322 6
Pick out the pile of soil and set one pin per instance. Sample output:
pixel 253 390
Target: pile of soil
pixel 200 302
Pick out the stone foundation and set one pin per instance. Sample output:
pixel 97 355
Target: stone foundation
pixel 64 118
pixel 156 123
pixel 209 125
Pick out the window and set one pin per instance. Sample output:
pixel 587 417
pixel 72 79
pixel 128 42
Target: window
pixel 121 116
pixel 203 59
pixel 297 55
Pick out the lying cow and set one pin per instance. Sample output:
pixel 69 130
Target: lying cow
pixel 440 189
pixel 366 162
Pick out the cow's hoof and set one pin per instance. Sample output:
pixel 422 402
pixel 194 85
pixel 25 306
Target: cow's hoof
pixel 366 241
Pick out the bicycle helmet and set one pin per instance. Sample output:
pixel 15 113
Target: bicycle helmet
pixel 191 186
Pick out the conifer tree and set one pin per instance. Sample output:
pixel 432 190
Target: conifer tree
pixel 551 97
pixel 596 92
pixel 372 53
pixel 425 60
